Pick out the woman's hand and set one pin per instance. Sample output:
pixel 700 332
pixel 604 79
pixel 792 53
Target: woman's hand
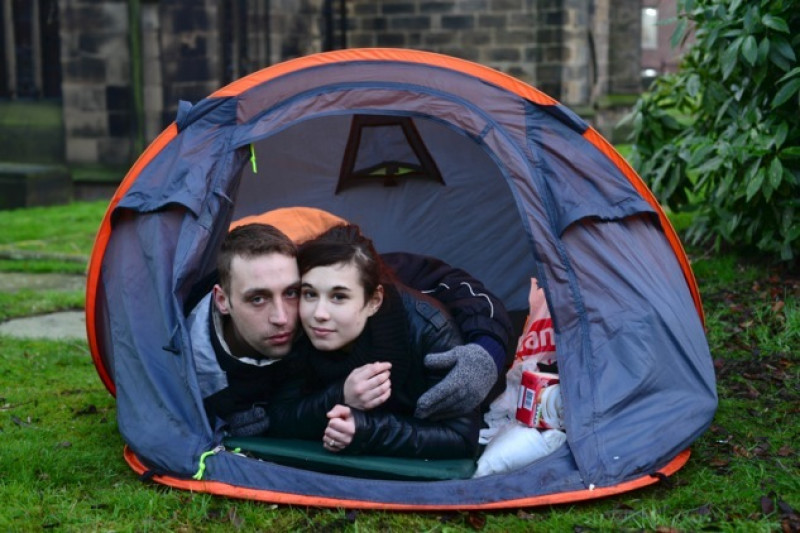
pixel 368 386
pixel 341 428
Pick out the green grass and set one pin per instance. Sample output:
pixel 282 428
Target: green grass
pixel 624 150
pixel 26 113
pixel 31 131
pixel 61 464
pixel 62 233
pixel 40 240
pixel 28 302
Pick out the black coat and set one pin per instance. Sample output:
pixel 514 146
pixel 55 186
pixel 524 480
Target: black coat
pixel 408 327
pixel 476 311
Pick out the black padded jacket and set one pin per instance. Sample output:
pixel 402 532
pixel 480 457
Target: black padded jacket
pixel 402 334
pixel 475 309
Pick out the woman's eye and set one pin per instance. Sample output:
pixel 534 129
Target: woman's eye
pixel 339 297
pixel 307 295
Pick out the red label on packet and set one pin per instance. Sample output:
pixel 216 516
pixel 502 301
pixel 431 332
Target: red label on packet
pixel 532 388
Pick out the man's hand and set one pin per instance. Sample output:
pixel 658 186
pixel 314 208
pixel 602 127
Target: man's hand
pixel 341 428
pixel 472 375
pixel 248 423
pixel 368 386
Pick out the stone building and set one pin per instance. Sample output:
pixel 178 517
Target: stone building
pixel 125 64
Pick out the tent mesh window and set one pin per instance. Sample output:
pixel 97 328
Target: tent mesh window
pixel 366 158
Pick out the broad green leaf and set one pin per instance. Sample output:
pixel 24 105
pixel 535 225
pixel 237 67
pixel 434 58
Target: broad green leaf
pixel 782 46
pixel 780 133
pixel 658 176
pixel 775 23
pixel 788 224
pixel 755 184
pixel 700 155
pixel 722 111
pixel 778 60
pixel 787 220
pixel 792 73
pixel 728 61
pixel 786 251
pixel 733 223
pixel 775 173
pixel 738 92
pixel 676 178
pixel 790 152
pixel 678 34
pixel 656 130
pixel 711 39
pixel 750 19
pixel 725 186
pixel 736 34
pixel 787 91
pixel 750 50
pixel 767 190
pixel 763 49
pixel 671 123
pixel 752 171
pixel 693 86
pixel 709 166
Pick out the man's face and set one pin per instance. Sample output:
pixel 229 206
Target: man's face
pixel 262 305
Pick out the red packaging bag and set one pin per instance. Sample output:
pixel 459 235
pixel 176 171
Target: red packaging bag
pixel 538 342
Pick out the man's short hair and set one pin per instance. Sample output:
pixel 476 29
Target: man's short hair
pixel 248 241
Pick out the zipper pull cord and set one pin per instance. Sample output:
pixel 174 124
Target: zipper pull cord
pixel 253 158
pixel 201 470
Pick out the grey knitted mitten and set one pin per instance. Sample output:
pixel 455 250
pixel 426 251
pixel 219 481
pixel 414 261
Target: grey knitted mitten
pixel 472 375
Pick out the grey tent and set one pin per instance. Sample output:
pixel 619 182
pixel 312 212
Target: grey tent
pixel 428 154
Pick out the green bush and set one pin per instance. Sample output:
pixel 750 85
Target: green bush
pixel 721 137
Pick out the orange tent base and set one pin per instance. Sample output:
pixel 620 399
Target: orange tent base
pixel 269 496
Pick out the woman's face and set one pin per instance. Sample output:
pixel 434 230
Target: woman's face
pixel 333 306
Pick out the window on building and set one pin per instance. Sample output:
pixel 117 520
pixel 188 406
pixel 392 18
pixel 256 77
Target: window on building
pixel 649 28
pixel 30 64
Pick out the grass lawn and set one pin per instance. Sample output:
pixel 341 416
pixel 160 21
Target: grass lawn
pixel 61 465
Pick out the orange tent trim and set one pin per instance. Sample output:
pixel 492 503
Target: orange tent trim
pixel 101 243
pixel 268 496
pixel 477 70
pixel 604 146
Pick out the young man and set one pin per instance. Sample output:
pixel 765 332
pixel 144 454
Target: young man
pixel 244 328
pixel 242 333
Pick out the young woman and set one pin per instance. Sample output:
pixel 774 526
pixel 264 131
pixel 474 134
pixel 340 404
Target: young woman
pixel 359 322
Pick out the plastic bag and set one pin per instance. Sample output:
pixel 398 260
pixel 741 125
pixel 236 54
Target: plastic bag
pixel 536 345
pixel 516 446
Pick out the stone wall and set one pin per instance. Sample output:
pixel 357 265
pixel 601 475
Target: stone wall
pixel 95 81
pixel 622 75
pixel 564 65
pixel 152 80
pixel 191 68
pixel 573 50
pixel 624 45
pixel 498 33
